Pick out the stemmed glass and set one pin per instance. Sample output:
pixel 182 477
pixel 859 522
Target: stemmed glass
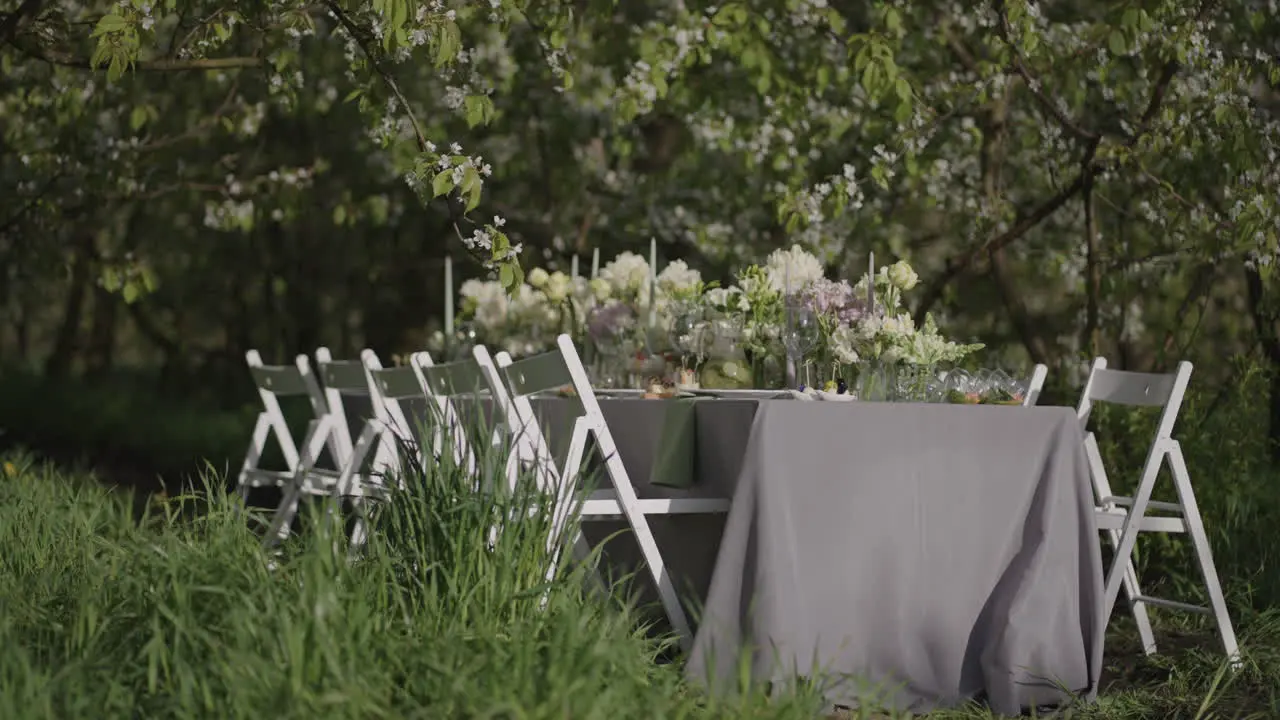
pixel 689 336
pixel 799 335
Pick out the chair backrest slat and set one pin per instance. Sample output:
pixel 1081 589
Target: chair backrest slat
pixel 1131 388
pixel 281 380
pixel 348 377
pixel 536 374
pixel 1135 389
pixel 462 377
pixel 397 383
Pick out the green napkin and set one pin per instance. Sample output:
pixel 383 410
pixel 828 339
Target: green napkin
pixel 675 462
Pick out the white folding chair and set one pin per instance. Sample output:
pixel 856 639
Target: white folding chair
pixel 445 385
pixel 1038 374
pixel 274 382
pixel 340 378
pixel 554 370
pixel 386 434
pixel 1122 518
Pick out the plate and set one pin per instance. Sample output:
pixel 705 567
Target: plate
pixel 835 397
pixel 745 394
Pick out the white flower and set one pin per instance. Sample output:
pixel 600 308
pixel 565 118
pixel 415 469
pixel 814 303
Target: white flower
pixel 601 289
pixel 627 274
pixel 538 277
pixel 903 276
pixel 795 267
pixel 718 297
pixel 678 276
pixel 843 341
pixel 489 301
pixel 557 286
pixel 900 326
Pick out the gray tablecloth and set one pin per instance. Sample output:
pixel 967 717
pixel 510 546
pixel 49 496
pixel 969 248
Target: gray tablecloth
pixel 916 555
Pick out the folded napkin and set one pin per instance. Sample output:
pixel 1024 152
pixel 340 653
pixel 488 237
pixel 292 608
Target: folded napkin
pixel 675 461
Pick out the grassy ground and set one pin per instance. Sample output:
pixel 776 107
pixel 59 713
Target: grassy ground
pixel 106 615
pixel 175 614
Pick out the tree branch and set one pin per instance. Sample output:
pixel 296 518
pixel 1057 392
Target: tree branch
pixel 956 266
pixel 1033 84
pixel 58 57
pixel 356 34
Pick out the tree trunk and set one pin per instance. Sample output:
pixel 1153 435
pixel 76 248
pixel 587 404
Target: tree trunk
pixel 100 355
pixel 66 344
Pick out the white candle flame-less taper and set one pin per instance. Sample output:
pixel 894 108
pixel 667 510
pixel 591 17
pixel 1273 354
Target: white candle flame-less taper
pixel 653 281
pixel 595 262
pixel 573 267
pixel 448 298
pixel 871 281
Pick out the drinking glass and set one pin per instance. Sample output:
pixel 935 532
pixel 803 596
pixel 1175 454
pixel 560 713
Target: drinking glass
pixel 689 335
pixel 799 335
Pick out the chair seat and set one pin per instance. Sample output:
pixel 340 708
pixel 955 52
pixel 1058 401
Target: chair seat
pixel 1124 501
pixel 257 477
pixel 604 503
pixel 1113 519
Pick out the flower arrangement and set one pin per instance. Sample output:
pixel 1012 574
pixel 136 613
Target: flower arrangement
pixel 627 308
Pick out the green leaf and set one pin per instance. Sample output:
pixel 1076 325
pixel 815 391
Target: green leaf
pixel 1117 43
pixel 130 292
pixel 109 24
pixel 472 187
pixel 479 110
pixel 442 183
pixel 138 117
pixel 339 215
pixel 506 276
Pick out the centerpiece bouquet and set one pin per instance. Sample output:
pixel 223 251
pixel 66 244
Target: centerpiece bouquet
pixel 640 323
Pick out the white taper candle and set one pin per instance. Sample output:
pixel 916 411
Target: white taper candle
pixel 448 297
pixel 595 262
pixel 871 280
pixel 573 267
pixel 653 280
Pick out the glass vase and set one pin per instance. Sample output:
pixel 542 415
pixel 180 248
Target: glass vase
pixel 913 383
pixel 727 366
pixel 876 381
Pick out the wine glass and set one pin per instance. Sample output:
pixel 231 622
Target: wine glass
pixel 799 335
pixel 688 335
pixel 610 328
pixel 958 388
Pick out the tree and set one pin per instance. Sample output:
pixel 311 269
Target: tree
pixel 1090 170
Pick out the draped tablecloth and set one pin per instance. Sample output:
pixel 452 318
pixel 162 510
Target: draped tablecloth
pixel 913 555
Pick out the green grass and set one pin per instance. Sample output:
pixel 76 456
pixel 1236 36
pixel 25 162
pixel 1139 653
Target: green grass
pixel 106 614
pixel 177 615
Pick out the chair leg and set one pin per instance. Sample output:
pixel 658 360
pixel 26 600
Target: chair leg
pixel 282 520
pixel 666 587
pixel 1208 570
pixel 1132 592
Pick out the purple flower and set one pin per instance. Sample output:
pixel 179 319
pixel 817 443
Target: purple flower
pixel 835 299
pixel 607 322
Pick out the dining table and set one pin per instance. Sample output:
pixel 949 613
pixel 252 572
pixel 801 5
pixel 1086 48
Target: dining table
pixel 910 556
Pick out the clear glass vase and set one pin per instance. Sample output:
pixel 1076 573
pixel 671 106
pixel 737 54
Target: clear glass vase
pixel 876 381
pixel 912 383
pixel 727 366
